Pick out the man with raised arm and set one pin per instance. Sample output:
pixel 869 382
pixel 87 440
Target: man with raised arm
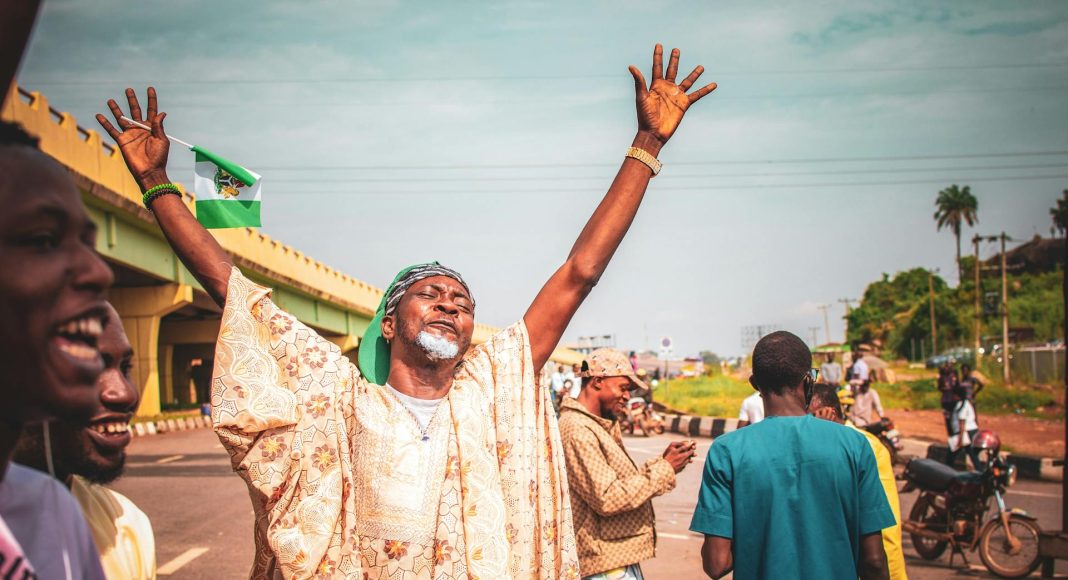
pixel 425 460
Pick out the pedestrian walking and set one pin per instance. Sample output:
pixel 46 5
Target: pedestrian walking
pixel 792 496
pixel 831 371
pixel 947 386
pixel 966 427
pixel 752 410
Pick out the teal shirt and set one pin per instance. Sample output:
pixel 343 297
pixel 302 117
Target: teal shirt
pixel 795 495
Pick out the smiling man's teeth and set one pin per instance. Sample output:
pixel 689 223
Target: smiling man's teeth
pixel 115 427
pixel 89 326
pixel 79 351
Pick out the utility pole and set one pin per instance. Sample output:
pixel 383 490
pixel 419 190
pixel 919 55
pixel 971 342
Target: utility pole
pixel 848 309
pixel 934 326
pixel 978 311
pixel 813 331
pixel 826 321
pixel 1005 372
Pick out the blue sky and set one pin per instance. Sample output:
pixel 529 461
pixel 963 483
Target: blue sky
pixel 484 134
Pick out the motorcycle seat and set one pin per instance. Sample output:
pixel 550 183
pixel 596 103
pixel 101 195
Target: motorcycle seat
pixel 934 475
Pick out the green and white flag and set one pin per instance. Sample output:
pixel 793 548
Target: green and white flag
pixel 228 195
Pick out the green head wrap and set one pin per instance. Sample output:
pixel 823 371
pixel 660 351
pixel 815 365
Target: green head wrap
pixel 373 354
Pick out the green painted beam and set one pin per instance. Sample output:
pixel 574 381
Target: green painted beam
pixel 124 240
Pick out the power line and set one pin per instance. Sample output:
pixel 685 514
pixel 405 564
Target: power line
pixel 303 103
pixel 452 167
pixel 680 188
pixel 400 179
pixel 509 78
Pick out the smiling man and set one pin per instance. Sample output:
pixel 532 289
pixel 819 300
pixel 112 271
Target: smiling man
pixel 52 313
pixel 85 457
pixel 615 526
pixel 428 459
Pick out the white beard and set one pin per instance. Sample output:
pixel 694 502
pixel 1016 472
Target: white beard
pixel 436 347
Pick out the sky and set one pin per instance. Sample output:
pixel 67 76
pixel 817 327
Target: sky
pixel 484 134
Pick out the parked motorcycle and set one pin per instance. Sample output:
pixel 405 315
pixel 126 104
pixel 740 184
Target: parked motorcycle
pixel 952 508
pixel 640 414
pixel 888 436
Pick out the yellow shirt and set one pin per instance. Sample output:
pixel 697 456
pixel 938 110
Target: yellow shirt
pixel 344 481
pixel 122 532
pixel 891 536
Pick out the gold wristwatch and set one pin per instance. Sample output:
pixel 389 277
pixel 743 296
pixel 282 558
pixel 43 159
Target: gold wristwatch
pixel 646 158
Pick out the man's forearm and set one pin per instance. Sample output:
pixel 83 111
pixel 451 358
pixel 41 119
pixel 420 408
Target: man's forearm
pixel 605 229
pixel 195 247
pixel 630 493
pixel 557 302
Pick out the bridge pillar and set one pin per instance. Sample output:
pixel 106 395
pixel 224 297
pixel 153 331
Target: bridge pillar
pixel 141 309
pixel 181 341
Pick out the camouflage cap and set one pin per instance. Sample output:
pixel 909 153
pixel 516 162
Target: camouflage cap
pixel 608 362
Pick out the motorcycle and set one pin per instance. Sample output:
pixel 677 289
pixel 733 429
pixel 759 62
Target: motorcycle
pixel 952 508
pixel 638 413
pixel 888 436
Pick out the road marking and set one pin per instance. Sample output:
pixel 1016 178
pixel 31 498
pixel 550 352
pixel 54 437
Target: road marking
pixel 677 536
pixel 182 559
pixel 1034 494
pixel 170 459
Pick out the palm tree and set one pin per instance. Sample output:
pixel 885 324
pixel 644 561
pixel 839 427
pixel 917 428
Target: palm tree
pixel 1060 214
pixel 956 206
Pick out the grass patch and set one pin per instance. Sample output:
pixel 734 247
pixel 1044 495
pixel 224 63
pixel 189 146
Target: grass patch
pixel 994 399
pixel 718 396
pixel 722 396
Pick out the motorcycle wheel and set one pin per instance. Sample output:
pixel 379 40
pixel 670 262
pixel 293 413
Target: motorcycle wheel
pixel 994 548
pixel 927 548
pixel 659 429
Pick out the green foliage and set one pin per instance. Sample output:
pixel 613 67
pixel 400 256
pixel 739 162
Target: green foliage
pixel 896 310
pixel 917 394
pixel 711 361
pixel 1060 214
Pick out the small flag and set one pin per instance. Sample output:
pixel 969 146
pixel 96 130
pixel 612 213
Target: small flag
pixel 228 195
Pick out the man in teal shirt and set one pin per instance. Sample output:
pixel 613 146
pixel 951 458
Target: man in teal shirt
pixel 792 496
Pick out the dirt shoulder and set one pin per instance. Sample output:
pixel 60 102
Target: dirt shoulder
pixel 1039 437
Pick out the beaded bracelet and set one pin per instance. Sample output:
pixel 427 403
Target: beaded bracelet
pixel 159 191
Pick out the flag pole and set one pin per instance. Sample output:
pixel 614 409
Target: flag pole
pixel 143 126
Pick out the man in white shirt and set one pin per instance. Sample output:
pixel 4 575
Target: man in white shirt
pixel 831 371
pixel 860 372
pixel 752 410
pixel 966 427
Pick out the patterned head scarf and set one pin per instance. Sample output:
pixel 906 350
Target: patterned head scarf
pixel 373 354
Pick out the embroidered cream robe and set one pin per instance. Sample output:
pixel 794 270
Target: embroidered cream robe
pixel 342 484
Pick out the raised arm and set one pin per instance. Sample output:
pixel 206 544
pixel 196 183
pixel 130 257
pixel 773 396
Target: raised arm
pixel 661 107
pixel 145 153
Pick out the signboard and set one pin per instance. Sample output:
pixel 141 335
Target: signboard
pixel 665 348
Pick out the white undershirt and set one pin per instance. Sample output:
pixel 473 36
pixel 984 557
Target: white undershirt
pixel 422 409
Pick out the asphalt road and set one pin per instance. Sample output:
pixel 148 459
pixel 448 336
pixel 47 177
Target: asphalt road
pixel 203 519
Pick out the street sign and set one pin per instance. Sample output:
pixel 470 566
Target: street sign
pixel 665 348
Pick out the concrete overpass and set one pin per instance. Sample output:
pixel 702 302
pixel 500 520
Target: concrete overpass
pixel 170 320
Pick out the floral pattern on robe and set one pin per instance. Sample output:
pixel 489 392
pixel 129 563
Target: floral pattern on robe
pixel 344 483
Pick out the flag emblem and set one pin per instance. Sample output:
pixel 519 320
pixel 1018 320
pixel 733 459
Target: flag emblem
pixel 227 185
